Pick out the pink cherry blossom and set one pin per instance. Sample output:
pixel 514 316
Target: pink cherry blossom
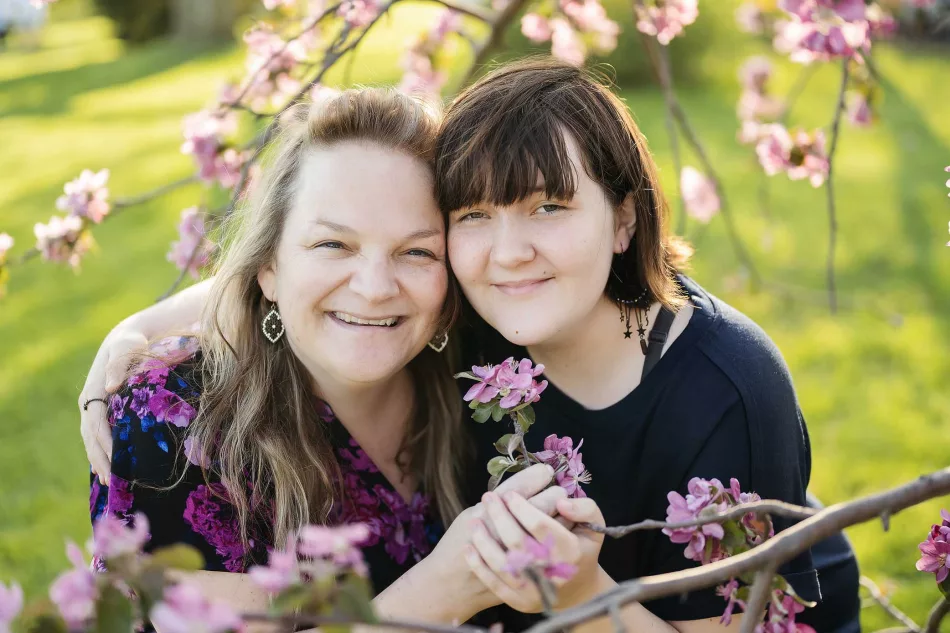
pixel 566 44
pixel 754 105
pixel 729 591
pixel 194 453
pixel 704 497
pixel 699 194
pixel 62 239
pixel 205 133
pixel 751 132
pixel 112 537
pixel 86 196
pixel 513 382
pixel 280 572
pixel 339 544
pixel 666 19
pixel 270 5
pixel 192 249
pixel 446 21
pixel 755 73
pixel 560 454
pixel 882 24
pixel 537 555
pixel 749 18
pixel 421 77
pixel 359 13
pixel 859 112
pixel 6 243
pixel 74 592
pixel 823 29
pixel 536 27
pixel 801 156
pixel 11 601
pixel 591 18
pixel 184 610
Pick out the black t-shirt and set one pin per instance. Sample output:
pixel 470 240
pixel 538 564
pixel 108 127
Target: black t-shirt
pixel 719 403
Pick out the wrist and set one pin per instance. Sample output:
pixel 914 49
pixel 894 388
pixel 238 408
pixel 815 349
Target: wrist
pixel 589 590
pixel 425 593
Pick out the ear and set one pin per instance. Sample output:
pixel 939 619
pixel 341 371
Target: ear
pixel 267 280
pixel 625 224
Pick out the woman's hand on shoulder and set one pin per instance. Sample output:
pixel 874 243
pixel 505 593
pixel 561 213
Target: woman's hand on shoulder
pixel 105 377
pixel 511 523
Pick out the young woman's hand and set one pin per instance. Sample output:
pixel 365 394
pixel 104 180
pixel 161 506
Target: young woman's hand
pixel 513 519
pixel 110 367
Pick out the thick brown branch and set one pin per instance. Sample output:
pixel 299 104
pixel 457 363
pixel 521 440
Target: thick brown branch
pixel 936 616
pixel 778 508
pixel 832 218
pixel 878 596
pixel 772 553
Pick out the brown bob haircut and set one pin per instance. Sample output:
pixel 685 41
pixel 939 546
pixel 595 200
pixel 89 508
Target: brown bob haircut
pixel 508 128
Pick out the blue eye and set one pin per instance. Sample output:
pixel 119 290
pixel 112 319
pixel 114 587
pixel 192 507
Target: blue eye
pixel 421 252
pixel 333 245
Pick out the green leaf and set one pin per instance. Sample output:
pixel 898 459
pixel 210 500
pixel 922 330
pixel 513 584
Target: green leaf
pixel 525 419
pixel 113 612
pixel 481 414
pixel 47 623
pixel 499 465
pixel 528 413
pixel 497 412
pixel 291 599
pixel 493 481
pixel 178 556
pixel 503 442
pixel 355 599
pixel 467 374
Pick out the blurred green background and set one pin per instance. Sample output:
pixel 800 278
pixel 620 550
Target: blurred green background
pixel 871 379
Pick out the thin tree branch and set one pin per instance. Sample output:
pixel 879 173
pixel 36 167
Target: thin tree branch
pixel 778 508
pixel 832 217
pixel 758 600
pixel 777 550
pixel 937 614
pixel 878 596
pixel 471 10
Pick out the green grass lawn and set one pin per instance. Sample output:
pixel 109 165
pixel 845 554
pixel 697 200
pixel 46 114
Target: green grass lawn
pixel 870 379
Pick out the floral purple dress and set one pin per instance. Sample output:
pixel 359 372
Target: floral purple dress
pixel 149 418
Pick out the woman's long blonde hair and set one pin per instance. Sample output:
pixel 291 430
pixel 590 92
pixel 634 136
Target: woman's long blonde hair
pixel 258 416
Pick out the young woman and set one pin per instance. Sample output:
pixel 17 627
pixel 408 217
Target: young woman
pixel 556 229
pixel 558 239
pixel 311 396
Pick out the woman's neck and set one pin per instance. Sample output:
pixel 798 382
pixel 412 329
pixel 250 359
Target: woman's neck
pixel 375 415
pixel 594 363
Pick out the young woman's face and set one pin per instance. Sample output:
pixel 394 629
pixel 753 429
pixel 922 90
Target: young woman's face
pixel 535 270
pixel 360 276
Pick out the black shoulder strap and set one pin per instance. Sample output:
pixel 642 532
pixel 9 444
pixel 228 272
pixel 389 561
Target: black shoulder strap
pixel 657 337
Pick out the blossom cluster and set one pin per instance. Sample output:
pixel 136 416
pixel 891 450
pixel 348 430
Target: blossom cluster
pixel 419 61
pixel 538 556
pixel 666 19
pixel 822 30
pixel 206 133
pixel 717 540
pixel 509 389
pixel 192 251
pixel 935 550
pixel 574 27
pixel 316 552
pixel 798 154
pixel 67 238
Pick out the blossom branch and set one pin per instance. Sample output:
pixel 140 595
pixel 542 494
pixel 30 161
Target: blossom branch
pixel 778 508
pixel 777 550
pixel 470 10
pixel 832 218
pixel 759 596
pixel 878 596
pixel 936 616
pixel 677 112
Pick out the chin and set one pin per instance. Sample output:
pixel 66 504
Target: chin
pixel 524 334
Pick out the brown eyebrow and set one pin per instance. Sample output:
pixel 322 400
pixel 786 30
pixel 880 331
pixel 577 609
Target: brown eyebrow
pixel 342 228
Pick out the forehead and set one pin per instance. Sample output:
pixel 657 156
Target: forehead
pixel 366 187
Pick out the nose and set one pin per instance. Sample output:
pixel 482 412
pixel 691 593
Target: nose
pixel 511 244
pixel 375 280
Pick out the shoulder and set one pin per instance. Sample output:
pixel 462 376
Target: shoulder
pixel 150 412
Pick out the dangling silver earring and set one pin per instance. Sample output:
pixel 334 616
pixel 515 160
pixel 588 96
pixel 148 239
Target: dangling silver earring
pixel 438 344
pixel 273 325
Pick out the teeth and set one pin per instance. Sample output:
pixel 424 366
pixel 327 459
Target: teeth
pixel 349 318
